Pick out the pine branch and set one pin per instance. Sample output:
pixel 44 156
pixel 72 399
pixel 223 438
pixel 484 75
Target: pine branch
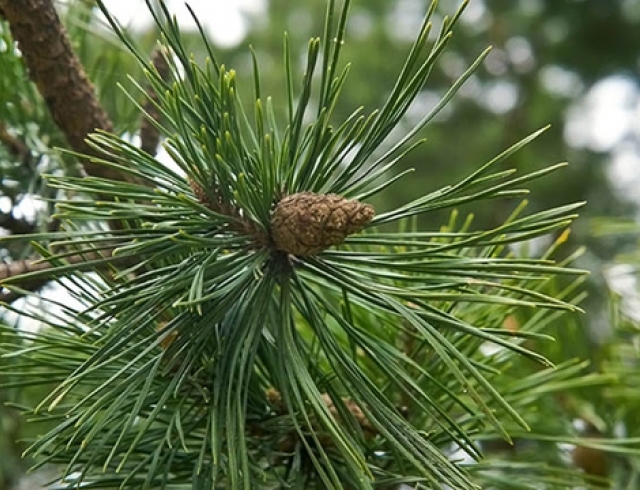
pixel 245 349
pixel 33 274
pixel 71 99
pixel 28 266
pixel 59 76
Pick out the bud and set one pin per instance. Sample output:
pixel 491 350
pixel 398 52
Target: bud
pixel 305 223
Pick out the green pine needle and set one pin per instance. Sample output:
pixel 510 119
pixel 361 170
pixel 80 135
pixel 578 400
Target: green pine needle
pixel 205 354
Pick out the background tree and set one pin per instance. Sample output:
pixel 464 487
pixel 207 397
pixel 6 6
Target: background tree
pixel 30 137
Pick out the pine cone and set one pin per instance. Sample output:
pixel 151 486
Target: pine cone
pixel 305 223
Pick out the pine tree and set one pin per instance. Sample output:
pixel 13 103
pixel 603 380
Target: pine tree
pixel 247 319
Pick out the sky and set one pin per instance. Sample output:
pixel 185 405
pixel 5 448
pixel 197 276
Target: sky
pixel 225 20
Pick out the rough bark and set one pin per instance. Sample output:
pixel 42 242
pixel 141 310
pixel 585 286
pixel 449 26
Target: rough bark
pixel 59 76
pixel 71 99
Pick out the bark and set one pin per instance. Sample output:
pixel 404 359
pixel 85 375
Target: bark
pixel 27 266
pixel 72 101
pixel 59 76
pixel 85 261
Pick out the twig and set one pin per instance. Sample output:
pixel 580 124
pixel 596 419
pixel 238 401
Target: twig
pixel 83 261
pixel 16 226
pixel 216 202
pixel 59 76
pixel 149 134
pixel 12 270
pixel 69 95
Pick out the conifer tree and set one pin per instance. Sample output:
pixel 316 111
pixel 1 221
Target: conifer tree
pixel 245 318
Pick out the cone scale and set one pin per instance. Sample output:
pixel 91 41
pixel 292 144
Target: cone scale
pixel 306 223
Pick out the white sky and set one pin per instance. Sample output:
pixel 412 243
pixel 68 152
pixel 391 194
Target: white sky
pixel 224 19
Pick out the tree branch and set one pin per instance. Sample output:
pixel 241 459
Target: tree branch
pixel 59 76
pixel 149 135
pixel 84 261
pixel 71 99
pixel 27 266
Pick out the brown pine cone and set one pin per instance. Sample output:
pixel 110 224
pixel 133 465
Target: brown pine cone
pixel 306 223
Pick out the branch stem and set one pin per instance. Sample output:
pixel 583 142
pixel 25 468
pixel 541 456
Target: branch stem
pixel 59 76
